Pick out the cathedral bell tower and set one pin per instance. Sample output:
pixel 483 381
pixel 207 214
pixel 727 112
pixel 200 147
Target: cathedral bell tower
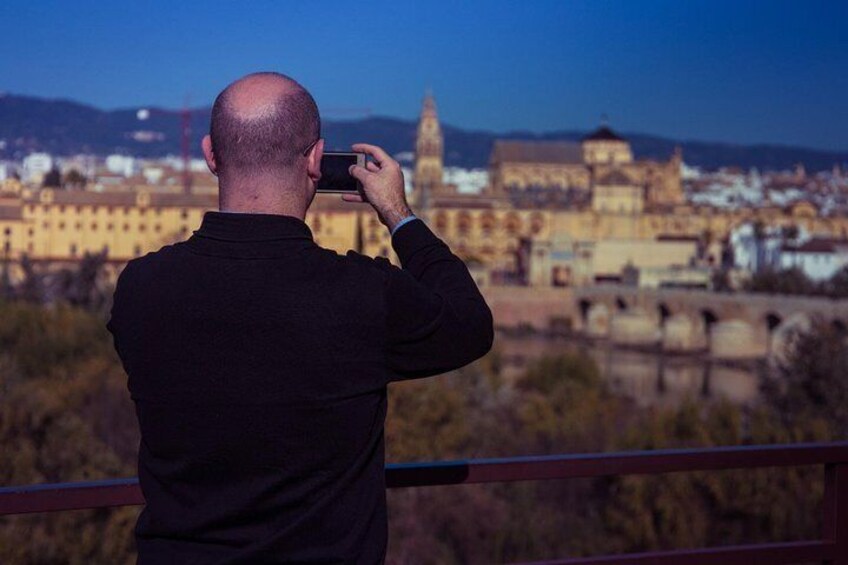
pixel 429 153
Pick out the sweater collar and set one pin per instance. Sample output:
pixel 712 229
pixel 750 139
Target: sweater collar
pixel 231 226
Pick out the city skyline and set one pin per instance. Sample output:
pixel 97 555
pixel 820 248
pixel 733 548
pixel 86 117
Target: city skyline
pixel 707 71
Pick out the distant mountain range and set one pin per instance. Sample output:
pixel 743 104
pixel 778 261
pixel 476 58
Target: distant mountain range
pixel 63 127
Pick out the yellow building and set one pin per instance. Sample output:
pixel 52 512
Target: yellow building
pixel 563 199
pixel 615 193
pixel 539 166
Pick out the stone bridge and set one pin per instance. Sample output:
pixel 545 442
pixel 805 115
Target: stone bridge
pixel 728 326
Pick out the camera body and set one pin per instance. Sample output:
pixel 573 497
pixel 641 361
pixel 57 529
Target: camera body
pixel 335 172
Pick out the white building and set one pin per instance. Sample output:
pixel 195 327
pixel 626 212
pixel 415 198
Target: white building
pixel 753 249
pixel 121 165
pixel 819 259
pixel 35 166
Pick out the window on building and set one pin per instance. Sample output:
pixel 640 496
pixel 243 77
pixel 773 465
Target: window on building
pixel 487 223
pixel 109 227
pixel 141 227
pixel 8 231
pixel 463 223
pixel 126 227
pixel 441 221
pixel 93 226
pixel 137 250
pixel 512 223
pixel 184 214
pixel 157 228
pixel 73 250
pixel 61 225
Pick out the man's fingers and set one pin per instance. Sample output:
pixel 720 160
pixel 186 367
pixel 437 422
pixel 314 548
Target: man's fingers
pixel 376 153
pixel 372 166
pixel 352 198
pixel 359 173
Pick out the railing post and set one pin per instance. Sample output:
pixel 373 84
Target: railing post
pixel 835 506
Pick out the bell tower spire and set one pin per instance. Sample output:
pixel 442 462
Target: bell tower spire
pixel 429 153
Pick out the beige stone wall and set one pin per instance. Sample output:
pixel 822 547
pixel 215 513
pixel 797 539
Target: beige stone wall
pixel 610 256
pixel 612 152
pixel 44 228
pixel 618 199
pixel 67 231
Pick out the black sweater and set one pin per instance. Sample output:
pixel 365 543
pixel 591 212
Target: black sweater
pixel 258 363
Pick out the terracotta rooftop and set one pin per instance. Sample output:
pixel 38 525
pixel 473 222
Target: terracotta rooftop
pixel 817 245
pixel 10 212
pixel 558 152
pixel 127 198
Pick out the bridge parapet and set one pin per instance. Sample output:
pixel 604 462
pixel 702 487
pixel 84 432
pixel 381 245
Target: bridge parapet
pixel 729 325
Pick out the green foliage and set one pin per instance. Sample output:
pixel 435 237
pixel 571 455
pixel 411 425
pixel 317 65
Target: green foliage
pixel 52 179
pixel 37 341
pixel 425 418
pixel 65 415
pixel 788 281
pixel 794 282
pixel 74 179
pixel 808 389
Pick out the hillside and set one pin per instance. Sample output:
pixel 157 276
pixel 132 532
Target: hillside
pixel 64 127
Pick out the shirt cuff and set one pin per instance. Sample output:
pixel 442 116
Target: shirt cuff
pixel 403 222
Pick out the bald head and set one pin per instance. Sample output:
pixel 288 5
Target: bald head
pixel 261 124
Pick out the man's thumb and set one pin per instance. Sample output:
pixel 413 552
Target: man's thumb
pixel 359 173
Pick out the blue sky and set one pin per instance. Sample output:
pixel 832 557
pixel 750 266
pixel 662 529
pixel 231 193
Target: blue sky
pixel 739 71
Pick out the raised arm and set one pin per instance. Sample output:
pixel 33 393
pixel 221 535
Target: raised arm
pixel 436 317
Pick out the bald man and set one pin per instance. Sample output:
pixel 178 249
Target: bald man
pixel 258 361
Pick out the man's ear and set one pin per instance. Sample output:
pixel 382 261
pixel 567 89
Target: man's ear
pixel 313 163
pixel 209 155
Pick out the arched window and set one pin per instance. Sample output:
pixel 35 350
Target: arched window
pixel 441 221
pixel 463 223
pixel 512 224
pixel 488 223
pixel 537 223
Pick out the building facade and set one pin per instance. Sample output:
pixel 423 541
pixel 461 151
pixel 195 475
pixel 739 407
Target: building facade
pixel 552 213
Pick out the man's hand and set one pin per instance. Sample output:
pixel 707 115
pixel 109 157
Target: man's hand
pixel 382 185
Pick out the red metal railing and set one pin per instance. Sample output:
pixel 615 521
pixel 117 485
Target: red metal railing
pixel 831 547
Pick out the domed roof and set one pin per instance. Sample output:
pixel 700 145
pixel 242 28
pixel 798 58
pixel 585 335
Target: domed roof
pixel 603 133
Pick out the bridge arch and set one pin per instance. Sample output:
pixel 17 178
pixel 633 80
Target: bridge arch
pixel 664 313
pixel 583 305
pixel 598 320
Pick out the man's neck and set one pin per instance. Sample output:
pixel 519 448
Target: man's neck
pixel 280 208
pixel 277 212
pixel 262 194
